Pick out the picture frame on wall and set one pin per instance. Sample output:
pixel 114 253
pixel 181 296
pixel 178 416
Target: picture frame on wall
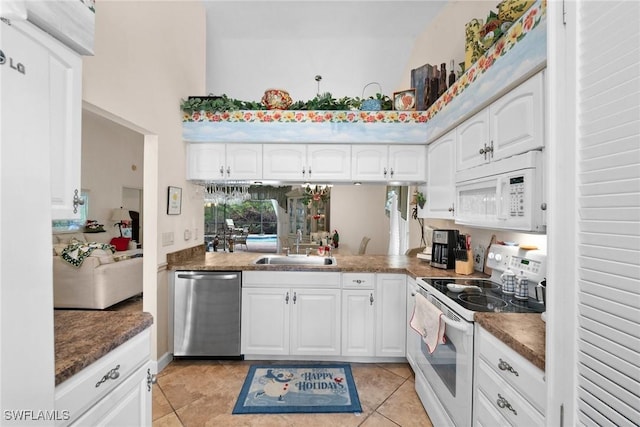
pixel 404 100
pixel 174 201
pixel 419 81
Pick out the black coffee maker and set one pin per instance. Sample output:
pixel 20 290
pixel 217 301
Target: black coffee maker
pixel 442 250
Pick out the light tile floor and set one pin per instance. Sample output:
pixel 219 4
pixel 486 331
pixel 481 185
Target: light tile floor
pixel 203 393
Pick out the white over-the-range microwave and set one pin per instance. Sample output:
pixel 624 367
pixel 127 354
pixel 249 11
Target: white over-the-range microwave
pixel 505 194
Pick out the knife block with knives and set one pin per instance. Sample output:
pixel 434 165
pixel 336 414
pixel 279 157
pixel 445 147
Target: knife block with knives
pixel 464 255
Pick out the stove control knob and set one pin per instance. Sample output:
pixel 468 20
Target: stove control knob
pixel 498 257
pixel 491 255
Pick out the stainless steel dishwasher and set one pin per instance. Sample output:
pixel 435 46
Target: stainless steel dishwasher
pixel 206 313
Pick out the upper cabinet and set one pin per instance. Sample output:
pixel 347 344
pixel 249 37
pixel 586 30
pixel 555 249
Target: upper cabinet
pixel 44 76
pixel 317 162
pixel 382 163
pixel 513 124
pixel 441 178
pixel 224 161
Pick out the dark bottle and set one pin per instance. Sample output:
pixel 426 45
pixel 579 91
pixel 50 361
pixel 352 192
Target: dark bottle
pixel 443 79
pixel 452 78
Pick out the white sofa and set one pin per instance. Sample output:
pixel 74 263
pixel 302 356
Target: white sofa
pixel 102 280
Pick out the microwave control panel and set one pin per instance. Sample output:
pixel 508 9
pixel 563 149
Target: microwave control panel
pixel 516 195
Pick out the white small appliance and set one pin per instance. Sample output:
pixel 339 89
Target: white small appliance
pixel 506 194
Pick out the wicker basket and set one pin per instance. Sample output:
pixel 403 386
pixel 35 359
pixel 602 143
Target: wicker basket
pixel 371 104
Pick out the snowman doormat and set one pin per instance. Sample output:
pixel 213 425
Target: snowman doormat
pixel 273 389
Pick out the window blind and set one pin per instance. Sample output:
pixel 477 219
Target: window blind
pixel 608 383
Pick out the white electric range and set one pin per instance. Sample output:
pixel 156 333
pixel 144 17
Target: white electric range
pixel 444 378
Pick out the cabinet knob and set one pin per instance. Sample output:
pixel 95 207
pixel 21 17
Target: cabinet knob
pixel 504 366
pixel 384 172
pixel 77 201
pixel 451 209
pixel 222 171
pixel 504 403
pixel 286 298
pixel 371 298
pixel 113 374
pixel 228 171
pixel 295 297
pixel 151 379
pixel 391 172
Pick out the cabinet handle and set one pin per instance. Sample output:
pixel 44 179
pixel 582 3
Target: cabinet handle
pixel 504 366
pixel 490 148
pixel 222 171
pixel 452 209
pixel 504 403
pixel 111 375
pixel 228 171
pixel 358 281
pixel 286 298
pixel 384 172
pixel 303 171
pixel 295 297
pixel 77 201
pixel 391 173
pixel 309 171
pixel 151 379
pixel 371 298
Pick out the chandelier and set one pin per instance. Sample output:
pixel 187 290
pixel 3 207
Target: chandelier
pixel 315 195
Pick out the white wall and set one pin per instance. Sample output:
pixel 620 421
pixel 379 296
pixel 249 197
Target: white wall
pixel 148 56
pixel 358 211
pixel 109 152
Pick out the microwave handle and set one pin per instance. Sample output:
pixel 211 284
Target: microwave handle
pixel 500 207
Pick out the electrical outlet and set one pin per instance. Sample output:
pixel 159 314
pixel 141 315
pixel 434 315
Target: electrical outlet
pixel 187 234
pixel 478 258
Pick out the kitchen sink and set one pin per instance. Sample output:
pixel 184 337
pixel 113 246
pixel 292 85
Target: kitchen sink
pixel 295 260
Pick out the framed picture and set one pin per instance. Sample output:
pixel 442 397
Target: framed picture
pixel 404 100
pixel 420 81
pixel 174 201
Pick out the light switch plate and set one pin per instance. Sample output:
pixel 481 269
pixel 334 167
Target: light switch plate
pixel 478 258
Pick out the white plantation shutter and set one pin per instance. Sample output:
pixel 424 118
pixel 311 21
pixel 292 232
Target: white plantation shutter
pixel 608 347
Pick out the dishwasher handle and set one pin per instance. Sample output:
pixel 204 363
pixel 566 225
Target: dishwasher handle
pixel 200 276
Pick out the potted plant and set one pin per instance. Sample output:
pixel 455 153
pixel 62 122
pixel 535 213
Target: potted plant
pixel 420 199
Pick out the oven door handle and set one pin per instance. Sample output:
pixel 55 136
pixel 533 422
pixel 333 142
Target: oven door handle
pixel 460 326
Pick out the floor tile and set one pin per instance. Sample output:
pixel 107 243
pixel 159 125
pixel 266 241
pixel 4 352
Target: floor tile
pixel 404 407
pixel 374 385
pixel 170 420
pixel 160 406
pixel 378 420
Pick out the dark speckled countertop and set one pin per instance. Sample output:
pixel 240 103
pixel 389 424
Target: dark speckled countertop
pixel 84 336
pixel 524 333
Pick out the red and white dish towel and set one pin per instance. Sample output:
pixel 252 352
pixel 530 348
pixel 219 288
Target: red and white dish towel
pixel 428 322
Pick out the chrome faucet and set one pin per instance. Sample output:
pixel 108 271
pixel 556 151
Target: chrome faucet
pixel 298 240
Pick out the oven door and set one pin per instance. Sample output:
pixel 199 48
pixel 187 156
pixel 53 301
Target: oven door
pixel 448 371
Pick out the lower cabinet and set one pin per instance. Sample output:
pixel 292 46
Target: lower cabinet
pixel 113 391
pixel 323 314
pixel 509 390
pixel 290 320
pixel 391 315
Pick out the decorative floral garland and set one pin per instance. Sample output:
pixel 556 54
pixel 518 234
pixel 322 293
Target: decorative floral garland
pixel 514 35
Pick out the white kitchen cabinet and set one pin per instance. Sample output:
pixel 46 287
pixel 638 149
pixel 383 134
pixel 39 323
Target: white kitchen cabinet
pixel 265 321
pixel 383 163
pixel 291 313
pixel 218 162
pixel 358 314
pixel 53 73
pixel 514 124
pixel 509 390
pixel 113 391
pixel 441 191
pixel 311 162
pixel 315 322
pixel 390 315
pixel 411 343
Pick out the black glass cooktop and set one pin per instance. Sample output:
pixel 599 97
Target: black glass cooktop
pixel 485 296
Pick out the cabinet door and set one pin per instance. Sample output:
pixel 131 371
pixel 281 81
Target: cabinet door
pixel 205 161
pixel 315 322
pixel 59 103
pixel 441 177
pixel 407 162
pixel 391 327
pixel 471 137
pixel 244 161
pixel 358 322
pixel 517 119
pixel 127 405
pixel 284 161
pixel 265 321
pixel 369 162
pixel 329 162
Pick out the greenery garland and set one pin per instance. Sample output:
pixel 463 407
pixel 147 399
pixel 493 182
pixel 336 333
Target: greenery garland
pixel 323 101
